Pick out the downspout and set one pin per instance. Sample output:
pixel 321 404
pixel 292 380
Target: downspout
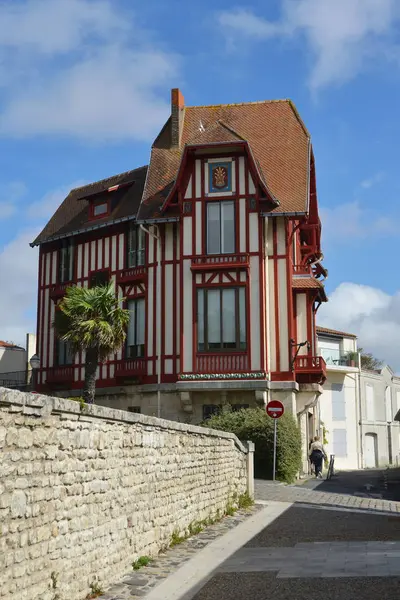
pixel 360 413
pixel 158 318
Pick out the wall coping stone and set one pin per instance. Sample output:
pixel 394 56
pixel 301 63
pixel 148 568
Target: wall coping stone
pixel 38 405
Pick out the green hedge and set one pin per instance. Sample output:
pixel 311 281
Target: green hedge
pixel 253 424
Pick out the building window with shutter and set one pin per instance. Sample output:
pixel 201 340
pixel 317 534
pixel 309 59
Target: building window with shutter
pixel 221 227
pixel 338 402
pixel 135 339
pixel 221 319
pixel 66 262
pixel 339 443
pixel 370 402
pixel 136 244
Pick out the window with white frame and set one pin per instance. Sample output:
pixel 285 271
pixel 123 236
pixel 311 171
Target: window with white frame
pixel 66 261
pixel 338 402
pixel 135 338
pixel 221 319
pixel 136 246
pixel 339 443
pixel 388 403
pixel 64 354
pixel 221 227
pixel 370 402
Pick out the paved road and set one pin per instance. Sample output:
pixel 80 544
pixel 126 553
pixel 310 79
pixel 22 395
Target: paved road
pixel 309 553
pixel 369 483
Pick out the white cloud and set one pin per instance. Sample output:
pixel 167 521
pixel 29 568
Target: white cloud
pixel 10 194
pixel 371 314
pixel 342 35
pixel 80 68
pixel 351 221
pixel 19 269
pixel 372 181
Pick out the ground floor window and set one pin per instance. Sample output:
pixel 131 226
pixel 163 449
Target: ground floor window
pixel 221 319
pixel 209 410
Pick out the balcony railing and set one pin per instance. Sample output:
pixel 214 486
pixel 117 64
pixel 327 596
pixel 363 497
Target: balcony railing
pixel 310 363
pixel 131 367
pixel 301 270
pixel 220 261
pixel 310 368
pixel 343 361
pixel 132 274
pixel 63 374
pixel 222 363
pixel 58 290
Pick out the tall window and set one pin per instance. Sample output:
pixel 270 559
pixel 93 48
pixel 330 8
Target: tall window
pixel 66 262
pixel 136 329
pixel 136 246
pixel 370 402
pixel 220 227
pixel 64 354
pixel 221 319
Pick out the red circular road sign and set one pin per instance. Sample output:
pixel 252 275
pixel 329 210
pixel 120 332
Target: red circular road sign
pixel 275 409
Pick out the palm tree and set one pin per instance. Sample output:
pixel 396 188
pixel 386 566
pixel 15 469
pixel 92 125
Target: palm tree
pixel 91 319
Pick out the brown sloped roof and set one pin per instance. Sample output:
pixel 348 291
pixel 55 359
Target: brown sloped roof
pixel 278 139
pixel 334 332
pixel 10 346
pixel 307 283
pixel 72 216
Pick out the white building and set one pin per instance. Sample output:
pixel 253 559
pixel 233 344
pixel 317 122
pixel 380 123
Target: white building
pixel 15 369
pixel 357 407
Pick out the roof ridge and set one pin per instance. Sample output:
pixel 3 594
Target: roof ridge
pixel 107 178
pixel 240 103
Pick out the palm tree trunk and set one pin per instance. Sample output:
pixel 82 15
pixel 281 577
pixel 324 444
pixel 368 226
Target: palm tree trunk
pixel 91 363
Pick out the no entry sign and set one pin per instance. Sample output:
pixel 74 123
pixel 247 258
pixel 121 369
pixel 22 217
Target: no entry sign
pixel 275 409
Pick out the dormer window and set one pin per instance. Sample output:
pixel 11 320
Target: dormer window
pixel 99 208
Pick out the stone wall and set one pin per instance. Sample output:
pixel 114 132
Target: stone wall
pixel 84 493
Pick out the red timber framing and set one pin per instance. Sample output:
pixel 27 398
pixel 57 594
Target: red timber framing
pixel 185 268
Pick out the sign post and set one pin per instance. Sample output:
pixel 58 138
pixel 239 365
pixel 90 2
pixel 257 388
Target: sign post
pixel 275 410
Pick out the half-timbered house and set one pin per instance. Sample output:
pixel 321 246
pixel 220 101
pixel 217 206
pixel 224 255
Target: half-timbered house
pixel 215 247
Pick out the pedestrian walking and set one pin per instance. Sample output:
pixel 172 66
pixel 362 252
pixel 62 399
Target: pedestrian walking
pixel 309 457
pixel 317 455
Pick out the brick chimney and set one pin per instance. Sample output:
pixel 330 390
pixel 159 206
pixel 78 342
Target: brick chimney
pixel 177 110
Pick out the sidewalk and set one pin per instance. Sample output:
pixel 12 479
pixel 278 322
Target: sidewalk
pixel 324 544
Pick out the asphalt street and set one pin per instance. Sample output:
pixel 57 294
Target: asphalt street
pixel 309 553
pixel 384 483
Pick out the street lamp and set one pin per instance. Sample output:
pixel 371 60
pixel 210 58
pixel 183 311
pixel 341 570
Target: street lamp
pixel 35 364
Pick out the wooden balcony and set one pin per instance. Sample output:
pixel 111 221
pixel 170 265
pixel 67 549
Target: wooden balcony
pixel 132 275
pixel 301 270
pixel 63 374
pixel 58 290
pixel 219 363
pixel 131 368
pixel 220 261
pixel 310 369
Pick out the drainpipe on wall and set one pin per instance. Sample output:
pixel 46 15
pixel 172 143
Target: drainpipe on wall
pixel 360 413
pixel 158 319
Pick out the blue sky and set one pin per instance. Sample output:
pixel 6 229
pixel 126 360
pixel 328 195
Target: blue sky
pixel 85 85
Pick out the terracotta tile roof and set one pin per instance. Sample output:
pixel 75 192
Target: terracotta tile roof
pixel 8 345
pixel 334 332
pixel 278 139
pixel 72 216
pixel 306 283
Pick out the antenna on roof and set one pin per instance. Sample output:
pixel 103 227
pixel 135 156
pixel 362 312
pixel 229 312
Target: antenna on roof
pixel 201 127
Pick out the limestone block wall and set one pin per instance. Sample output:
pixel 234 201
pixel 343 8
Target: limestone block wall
pixel 84 493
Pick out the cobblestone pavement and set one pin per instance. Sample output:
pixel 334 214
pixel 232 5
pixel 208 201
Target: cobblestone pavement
pixel 266 490
pixel 138 583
